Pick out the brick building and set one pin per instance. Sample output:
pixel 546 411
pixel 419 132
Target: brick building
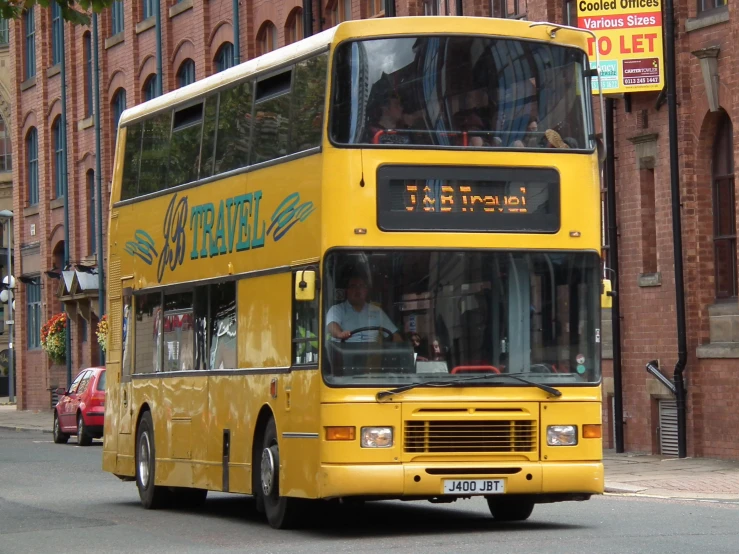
pixel 197 40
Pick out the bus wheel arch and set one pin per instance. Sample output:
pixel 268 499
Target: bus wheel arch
pixel 264 417
pixel 152 496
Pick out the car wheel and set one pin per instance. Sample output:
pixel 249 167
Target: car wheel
pixel 59 437
pixel 510 509
pixel 152 496
pixel 282 512
pixel 83 437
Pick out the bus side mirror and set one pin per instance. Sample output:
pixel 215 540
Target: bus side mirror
pixel 305 286
pixel 606 294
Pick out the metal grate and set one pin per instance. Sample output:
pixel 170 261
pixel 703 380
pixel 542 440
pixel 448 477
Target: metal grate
pixel 114 295
pixel 470 436
pixel 668 428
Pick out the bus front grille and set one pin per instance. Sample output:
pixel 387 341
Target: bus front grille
pixel 470 436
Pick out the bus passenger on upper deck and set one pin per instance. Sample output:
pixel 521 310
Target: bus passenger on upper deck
pixel 356 313
pixel 386 118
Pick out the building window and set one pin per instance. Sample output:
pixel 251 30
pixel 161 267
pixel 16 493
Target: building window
pixel 186 73
pixel 341 10
pixel 5 149
pixel 432 7
pixel 57 132
pixel 57 48
pixel 375 8
pixel 4 32
pixel 225 56
pixel 29 24
pixel 267 38
pixel 33 313
pixel 32 153
pixel 148 9
pixel 724 211
pixel 150 88
pixel 116 17
pixel 119 104
pixel 91 213
pixel 708 5
pixel 294 26
pixel 513 9
pixel 87 53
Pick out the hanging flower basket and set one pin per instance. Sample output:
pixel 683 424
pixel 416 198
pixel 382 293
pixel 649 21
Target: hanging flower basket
pixel 102 333
pixel 54 338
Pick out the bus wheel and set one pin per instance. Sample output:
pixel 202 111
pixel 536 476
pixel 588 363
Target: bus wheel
pixel 510 509
pixel 152 496
pixel 282 512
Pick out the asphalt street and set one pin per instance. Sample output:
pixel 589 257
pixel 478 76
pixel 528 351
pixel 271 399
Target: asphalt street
pixel 56 499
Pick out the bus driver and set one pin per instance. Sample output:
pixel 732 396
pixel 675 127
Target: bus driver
pixel 356 313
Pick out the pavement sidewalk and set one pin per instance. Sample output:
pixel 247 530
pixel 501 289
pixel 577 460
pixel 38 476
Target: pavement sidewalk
pixel 626 474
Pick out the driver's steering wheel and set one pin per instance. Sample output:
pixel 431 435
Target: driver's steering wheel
pixel 381 329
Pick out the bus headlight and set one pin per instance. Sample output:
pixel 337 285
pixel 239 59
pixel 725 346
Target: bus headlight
pixel 377 437
pixel 562 435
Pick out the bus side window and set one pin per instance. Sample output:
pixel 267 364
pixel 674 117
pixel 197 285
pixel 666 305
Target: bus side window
pixel 148 332
pixel 308 97
pixel 234 128
pixel 305 330
pixel 130 184
pixel 222 326
pixel 271 118
pixel 155 153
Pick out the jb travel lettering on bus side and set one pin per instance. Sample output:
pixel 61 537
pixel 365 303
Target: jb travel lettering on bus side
pixel 173 232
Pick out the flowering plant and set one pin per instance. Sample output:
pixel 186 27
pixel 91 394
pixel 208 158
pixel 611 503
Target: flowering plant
pixel 54 336
pixel 102 332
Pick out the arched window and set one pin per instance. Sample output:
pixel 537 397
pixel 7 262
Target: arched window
pixel 6 152
pixel 186 73
pixel 32 165
pixel 224 56
pixel 340 11
pixel 57 132
pixel 29 58
pixel 724 210
pixel 91 213
pixel 150 88
pixel 118 105
pixel 266 38
pixel 294 26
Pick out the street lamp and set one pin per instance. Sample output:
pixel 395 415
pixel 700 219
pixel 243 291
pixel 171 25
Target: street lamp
pixel 7 296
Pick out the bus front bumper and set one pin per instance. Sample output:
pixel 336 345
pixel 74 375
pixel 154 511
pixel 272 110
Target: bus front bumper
pixel 427 480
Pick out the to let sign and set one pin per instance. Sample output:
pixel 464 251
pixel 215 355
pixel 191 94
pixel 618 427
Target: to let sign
pixel 628 36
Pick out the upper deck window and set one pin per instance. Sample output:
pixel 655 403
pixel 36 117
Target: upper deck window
pixel 461 91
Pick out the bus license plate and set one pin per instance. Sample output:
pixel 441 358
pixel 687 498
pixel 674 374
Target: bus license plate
pixel 474 486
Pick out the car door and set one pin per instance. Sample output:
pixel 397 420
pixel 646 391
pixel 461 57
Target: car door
pixel 68 409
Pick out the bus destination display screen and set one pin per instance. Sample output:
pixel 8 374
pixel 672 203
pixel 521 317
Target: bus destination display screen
pixel 468 199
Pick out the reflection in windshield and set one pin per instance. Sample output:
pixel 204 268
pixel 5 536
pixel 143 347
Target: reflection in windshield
pixel 403 317
pixel 461 91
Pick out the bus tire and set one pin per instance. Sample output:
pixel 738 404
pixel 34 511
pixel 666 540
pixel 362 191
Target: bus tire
pixel 509 509
pixel 282 512
pixel 152 496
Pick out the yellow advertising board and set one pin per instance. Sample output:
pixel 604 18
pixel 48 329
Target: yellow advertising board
pixel 629 38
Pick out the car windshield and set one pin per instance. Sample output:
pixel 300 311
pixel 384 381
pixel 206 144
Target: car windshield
pixel 393 318
pixel 483 92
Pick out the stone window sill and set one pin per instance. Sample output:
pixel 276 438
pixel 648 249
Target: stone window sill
pixel 31 210
pixel 146 24
pixel 718 350
pixel 115 39
pixel 180 7
pixel 85 123
pixel 54 70
pixel 708 19
pixel 28 83
pixel 57 203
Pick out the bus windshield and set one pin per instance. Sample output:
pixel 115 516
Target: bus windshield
pixel 421 316
pixel 463 91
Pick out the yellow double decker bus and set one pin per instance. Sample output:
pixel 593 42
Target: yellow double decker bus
pixel 363 266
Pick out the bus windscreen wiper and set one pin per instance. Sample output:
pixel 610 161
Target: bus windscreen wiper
pixel 454 382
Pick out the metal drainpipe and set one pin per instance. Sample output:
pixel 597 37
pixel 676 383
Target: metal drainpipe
pixel 389 8
pixel 237 33
pixel 65 188
pixel 618 409
pixel 158 20
pixel 98 176
pixel 320 15
pixel 460 8
pixel 307 18
pixel 677 235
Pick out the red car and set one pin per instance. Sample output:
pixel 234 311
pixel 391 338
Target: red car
pixel 81 409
